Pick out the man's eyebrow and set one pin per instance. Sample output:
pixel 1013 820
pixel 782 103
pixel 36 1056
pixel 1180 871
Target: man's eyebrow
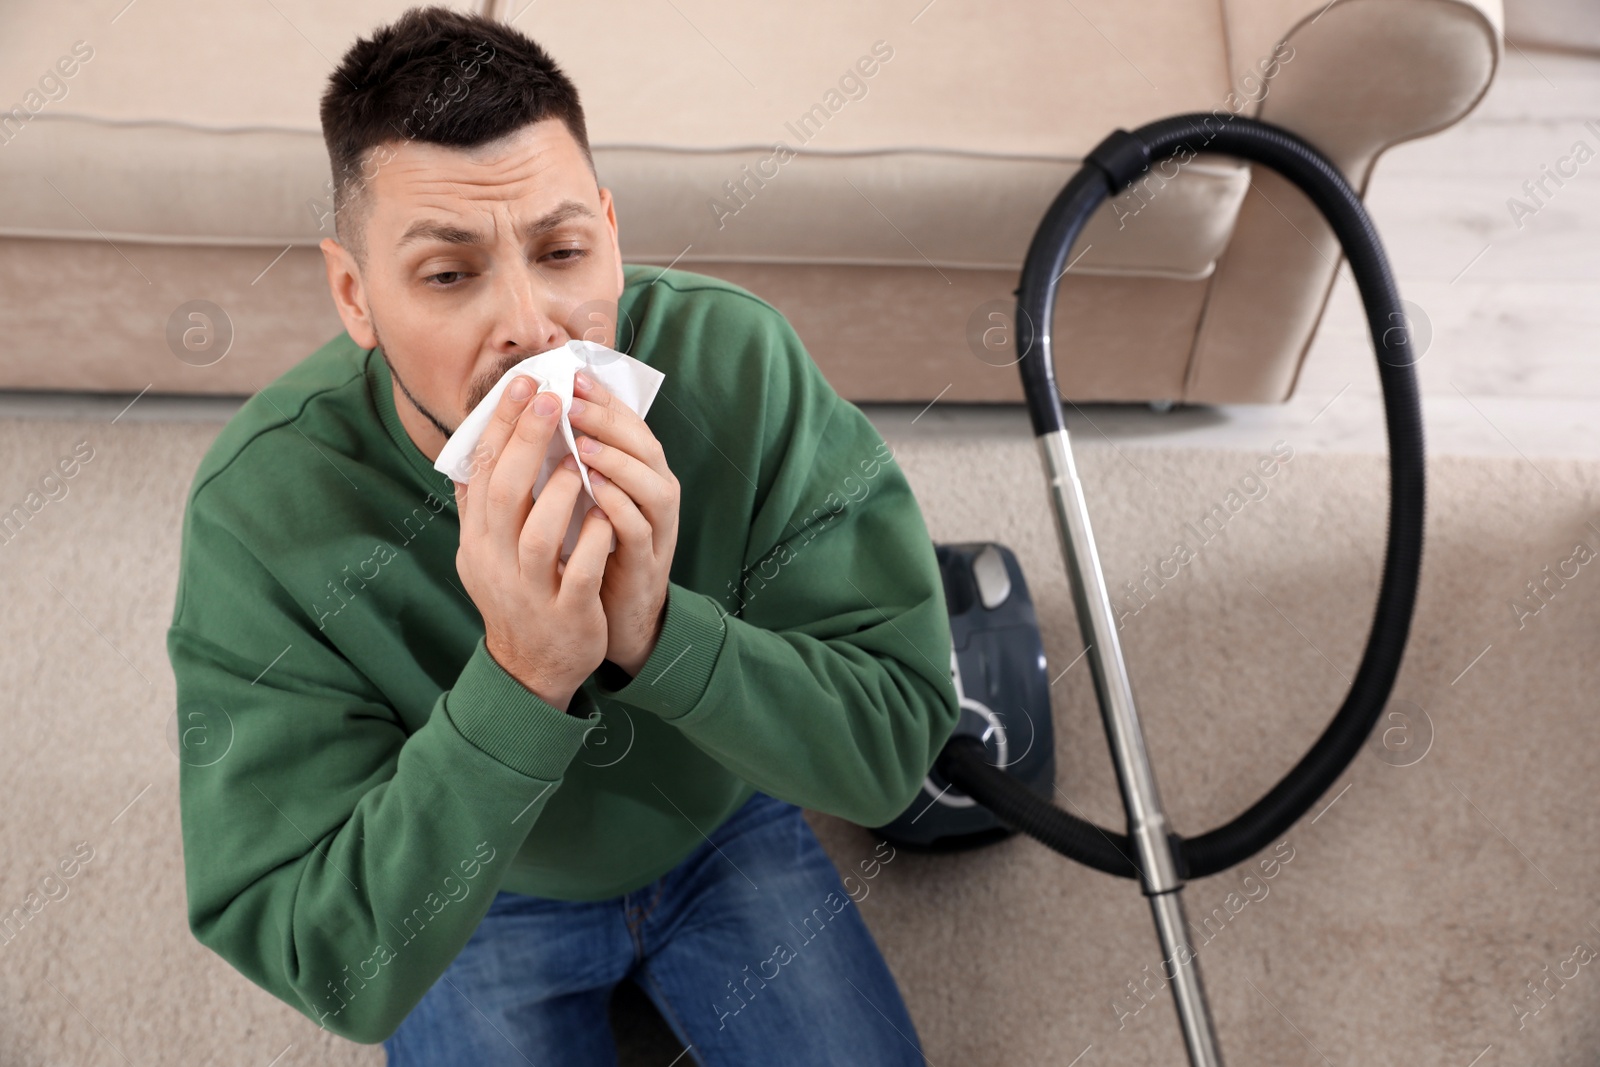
pixel 448 233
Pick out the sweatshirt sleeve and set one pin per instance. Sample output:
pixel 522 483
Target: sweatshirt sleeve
pixel 336 861
pixel 829 684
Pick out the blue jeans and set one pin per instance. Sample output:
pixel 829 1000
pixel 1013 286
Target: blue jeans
pixel 740 947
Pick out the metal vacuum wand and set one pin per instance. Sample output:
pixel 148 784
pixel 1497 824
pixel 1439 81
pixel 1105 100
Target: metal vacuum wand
pixel 1147 824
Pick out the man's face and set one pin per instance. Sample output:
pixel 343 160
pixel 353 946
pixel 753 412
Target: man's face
pixel 475 260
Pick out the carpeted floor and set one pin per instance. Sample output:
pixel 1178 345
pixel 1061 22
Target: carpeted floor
pixel 1413 911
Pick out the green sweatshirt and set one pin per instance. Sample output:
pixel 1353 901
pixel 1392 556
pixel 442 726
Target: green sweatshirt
pixel 359 777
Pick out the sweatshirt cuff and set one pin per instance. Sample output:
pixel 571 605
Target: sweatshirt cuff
pixel 675 677
pixel 504 719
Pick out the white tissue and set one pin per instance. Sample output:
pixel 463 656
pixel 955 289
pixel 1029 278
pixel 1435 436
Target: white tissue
pixel 631 381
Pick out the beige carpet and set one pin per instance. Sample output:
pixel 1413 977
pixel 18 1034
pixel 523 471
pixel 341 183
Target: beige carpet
pixel 1404 930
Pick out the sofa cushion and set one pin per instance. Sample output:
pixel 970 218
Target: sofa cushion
pixel 937 138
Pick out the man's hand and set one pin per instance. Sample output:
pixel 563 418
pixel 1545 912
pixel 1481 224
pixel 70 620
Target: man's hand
pixel 543 622
pixel 640 497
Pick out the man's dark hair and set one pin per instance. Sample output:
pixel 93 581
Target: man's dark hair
pixel 441 77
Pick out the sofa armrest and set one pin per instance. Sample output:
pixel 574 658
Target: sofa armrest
pixel 1363 75
pixel 1368 74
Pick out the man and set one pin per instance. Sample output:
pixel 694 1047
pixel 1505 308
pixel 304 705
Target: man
pixel 441 789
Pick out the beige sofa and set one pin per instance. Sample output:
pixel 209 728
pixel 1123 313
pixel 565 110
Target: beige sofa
pixel 180 161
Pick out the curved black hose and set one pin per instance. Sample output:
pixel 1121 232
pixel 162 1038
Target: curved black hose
pixel 1110 168
pixel 965 764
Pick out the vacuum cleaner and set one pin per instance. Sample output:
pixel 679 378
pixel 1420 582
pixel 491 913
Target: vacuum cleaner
pixel 996 774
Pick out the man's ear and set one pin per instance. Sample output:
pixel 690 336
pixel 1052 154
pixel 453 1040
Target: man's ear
pixel 610 207
pixel 349 295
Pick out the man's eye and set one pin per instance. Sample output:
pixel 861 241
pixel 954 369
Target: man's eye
pixel 445 279
pixel 577 253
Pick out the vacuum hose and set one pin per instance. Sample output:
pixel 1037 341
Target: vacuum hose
pixel 1115 164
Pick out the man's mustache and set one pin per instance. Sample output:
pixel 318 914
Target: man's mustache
pixel 481 388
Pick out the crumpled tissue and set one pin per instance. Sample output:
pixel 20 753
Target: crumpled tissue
pixel 631 381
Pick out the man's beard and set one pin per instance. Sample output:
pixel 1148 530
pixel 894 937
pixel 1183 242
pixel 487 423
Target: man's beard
pixel 479 391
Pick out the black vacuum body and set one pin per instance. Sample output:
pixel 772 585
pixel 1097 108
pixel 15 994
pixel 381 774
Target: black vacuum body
pixel 998 667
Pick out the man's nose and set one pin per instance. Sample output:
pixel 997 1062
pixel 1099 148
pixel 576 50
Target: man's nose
pixel 524 313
